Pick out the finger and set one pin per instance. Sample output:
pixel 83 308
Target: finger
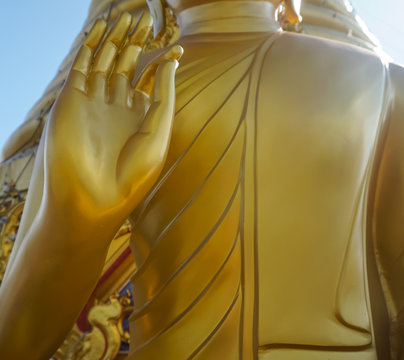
pixel 127 61
pixel 154 135
pixel 120 90
pixel 128 58
pixel 109 49
pixel 142 30
pixel 123 74
pixel 146 79
pixel 125 68
pixel 105 59
pixel 85 55
pixel 161 112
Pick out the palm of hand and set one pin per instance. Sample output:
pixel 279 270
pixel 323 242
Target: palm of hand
pixel 106 140
pixel 89 138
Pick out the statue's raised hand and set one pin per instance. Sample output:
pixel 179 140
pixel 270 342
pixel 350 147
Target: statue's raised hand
pixel 107 139
pixel 103 148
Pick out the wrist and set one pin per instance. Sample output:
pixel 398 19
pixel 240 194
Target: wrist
pixel 76 221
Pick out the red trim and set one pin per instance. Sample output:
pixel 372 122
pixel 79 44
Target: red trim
pixel 82 321
pixel 113 267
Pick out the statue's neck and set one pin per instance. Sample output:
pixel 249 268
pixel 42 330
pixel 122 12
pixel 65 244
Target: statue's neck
pixel 228 17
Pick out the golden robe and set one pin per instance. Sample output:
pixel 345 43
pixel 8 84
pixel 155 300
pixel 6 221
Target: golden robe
pixel 266 204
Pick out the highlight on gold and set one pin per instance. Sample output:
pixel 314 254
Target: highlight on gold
pixel 244 203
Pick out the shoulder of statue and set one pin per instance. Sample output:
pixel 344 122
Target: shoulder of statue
pixel 320 55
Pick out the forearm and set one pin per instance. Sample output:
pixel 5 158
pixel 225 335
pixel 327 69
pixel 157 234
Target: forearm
pixel 56 268
pixel 95 172
pixel 32 204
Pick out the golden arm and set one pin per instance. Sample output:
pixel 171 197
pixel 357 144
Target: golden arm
pixel 388 216
pixel 103 148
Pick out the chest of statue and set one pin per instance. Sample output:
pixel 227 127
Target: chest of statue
pixel 258 221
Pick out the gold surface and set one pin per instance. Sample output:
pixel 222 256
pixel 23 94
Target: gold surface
pixel 268 227
pixel 103 341
pixel 332 19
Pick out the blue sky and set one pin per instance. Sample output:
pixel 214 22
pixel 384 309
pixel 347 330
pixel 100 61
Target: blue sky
pixel 37 34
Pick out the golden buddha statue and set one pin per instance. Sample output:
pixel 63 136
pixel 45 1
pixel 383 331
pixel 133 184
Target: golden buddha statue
pixel 268 227
pixel 332 19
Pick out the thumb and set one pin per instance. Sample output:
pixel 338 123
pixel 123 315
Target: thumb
pixel 143 156
pixel 161 112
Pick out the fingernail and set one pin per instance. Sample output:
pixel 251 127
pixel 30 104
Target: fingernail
pixel 125 17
